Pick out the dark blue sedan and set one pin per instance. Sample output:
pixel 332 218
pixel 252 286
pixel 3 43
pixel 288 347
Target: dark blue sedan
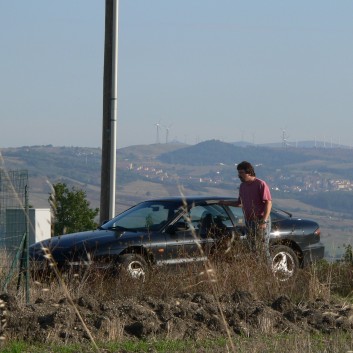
pixel 178 230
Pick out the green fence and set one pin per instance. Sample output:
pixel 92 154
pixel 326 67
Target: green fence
pixel 14 229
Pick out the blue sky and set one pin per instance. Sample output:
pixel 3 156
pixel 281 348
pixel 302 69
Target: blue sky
pixel 227 69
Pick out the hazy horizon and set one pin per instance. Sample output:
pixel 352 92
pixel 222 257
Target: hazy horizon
pixel 188 71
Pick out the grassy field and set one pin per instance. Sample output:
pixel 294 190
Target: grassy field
pixel 315 343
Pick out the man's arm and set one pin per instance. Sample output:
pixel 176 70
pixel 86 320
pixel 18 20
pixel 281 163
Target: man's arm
pixel 268 206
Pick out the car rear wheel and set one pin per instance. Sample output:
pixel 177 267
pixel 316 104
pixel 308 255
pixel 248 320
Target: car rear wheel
pixel 134 266
pixel 284 262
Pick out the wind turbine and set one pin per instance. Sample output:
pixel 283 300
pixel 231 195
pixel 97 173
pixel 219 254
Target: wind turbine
pixel 167 132
pixel 284 138
pixel 157 126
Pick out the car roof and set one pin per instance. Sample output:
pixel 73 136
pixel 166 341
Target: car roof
pixel 191 199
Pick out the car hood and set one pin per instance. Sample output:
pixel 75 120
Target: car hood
pixel 82 242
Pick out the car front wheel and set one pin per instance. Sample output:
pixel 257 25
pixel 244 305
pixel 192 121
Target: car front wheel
pixel 284 262
pixel 134 266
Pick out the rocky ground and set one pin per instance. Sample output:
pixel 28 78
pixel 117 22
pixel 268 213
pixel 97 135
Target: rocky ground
pixel 188 316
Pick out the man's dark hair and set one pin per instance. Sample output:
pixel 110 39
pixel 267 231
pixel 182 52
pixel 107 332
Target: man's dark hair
pixel 247 167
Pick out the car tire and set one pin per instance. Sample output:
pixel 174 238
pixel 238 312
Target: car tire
pixel 135 266
pixel 284 262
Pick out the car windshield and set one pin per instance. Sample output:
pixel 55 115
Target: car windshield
pixel 149 215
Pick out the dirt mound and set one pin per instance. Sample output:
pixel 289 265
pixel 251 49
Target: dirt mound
pixel 192 316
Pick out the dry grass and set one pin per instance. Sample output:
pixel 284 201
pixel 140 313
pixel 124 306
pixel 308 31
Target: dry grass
pixel 322 281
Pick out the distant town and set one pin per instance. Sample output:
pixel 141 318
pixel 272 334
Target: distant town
pixel 279 180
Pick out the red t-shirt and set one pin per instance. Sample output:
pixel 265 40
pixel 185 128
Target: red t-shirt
pixel 252 197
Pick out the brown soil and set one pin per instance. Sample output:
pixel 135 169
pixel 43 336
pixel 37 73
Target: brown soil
pixel 188 316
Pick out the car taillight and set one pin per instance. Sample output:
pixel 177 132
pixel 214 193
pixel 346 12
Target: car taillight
pixel 317 232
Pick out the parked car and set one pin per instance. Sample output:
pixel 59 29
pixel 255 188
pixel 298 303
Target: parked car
pixel 169 231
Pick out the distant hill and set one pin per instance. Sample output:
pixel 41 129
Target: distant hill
pixel 334 161
pixel 215 152
pixel 147 152
pixel 83 165
pixel 295 144
pixel 182 163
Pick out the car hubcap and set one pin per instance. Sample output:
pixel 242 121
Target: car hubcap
pixel 135 269
pixel 283 266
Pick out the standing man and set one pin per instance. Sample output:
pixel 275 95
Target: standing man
pixel 255 199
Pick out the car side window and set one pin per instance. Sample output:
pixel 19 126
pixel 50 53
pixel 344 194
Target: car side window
pixel 238 215
pixel 214 213
pixel 192 218
pixel 195 215
pixel 151 217
pixel 202 217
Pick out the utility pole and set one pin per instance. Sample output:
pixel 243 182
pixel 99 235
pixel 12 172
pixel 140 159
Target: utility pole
pixel 108 168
